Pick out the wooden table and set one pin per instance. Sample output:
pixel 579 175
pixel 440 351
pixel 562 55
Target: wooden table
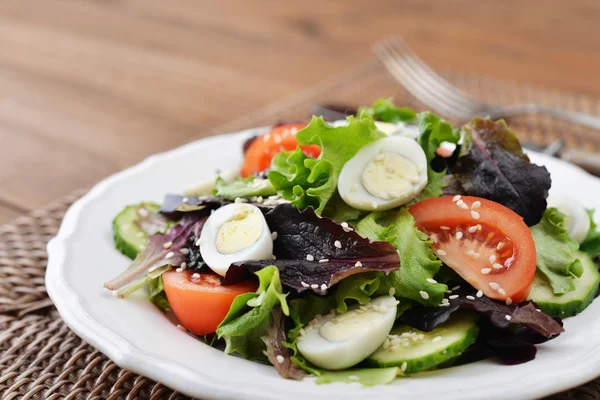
pixel 90 87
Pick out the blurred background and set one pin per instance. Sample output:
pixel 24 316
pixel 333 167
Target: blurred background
pixel 88 87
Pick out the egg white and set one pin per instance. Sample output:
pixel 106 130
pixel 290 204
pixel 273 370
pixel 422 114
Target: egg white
pixel 261 249
pixel 359 339
pixel 350 184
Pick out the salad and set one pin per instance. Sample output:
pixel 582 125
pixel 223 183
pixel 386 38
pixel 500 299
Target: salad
pixel 368 249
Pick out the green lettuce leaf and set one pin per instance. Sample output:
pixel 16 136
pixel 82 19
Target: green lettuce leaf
pixel 433 131
pixel 157 293
pixel 244 187
pixel 364 376
pixel 591 243
pixel 384 110
pixel 418 263
pixel 556 252
pixel 250 316
pixel 338 145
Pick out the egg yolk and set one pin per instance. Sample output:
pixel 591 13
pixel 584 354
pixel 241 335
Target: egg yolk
pixel 389 176
pixel 243 230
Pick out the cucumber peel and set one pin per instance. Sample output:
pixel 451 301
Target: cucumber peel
pixel 129 238
pixel 413 350
pixel 571 303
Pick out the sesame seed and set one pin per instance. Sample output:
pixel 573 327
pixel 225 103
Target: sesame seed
pixel 459 202
pixel 456 198
pixel 403 366
pixel 181 328
pixel 358 264
pixel 508 301
pixel 280 359
pixel 486 271
pixel 472 229
pixel 393 193
pixel 479 293
pixel 363 308
pixel 314 286
pixel 508 317
pixel 393 347
pixel 444 305
pixel 433 238
pixel 501 292
pixel 494 285
pixel 239 200
pixel 454 296
pixel 301 332
pixel 444 228
pixel 324 260
pixel 492 259
pixel 183 266
pixel 323 287
pixel 436 339
pixel 456 287
pixel 346 227
pixel 185 200
pixel 310 257
pixel 441 252
pixel 475 205
pixel 498 266
pixel 445 301
pixel 500 246
pixel 476 255
pixel 431 280
pixel 464 206
pixel 184 251
pixel 167 245
pixel 392 291
pixel 198 242
pixel 424 295
pixel 470 252
pixel 374 205
pixel 196 275
pixel 478 227
pixel 475 214
pixel 337 244
pixel 143 212
pixel 178 270
pixel 274 235
pixel 470 297
pixel 169 255
pixel 459 235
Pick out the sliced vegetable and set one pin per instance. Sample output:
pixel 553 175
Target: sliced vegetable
pixel 261 151
pixel 129 237
pixel 486 243
pixel 572 303
pixel 364 376
pixel 199 301
pixel 557 257
pixel 413 350
pixel 495 168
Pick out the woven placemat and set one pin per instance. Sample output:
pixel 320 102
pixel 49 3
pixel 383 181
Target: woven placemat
pixel 40 358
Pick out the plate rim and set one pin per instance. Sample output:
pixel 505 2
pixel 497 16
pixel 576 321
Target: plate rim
pixel 128 356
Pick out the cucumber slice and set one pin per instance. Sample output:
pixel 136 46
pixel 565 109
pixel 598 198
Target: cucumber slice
pixel 129 238
pixel 421 351
pixel 572 303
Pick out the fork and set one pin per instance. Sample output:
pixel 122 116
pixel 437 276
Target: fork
pixel 444 98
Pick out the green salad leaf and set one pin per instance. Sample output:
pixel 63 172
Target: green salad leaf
pixel 414 279
pixel 591 243
pixel 249 316
pixel 338 145
pixel 157 293
pixel 433 131
pixel 556 252
pixel 244 187
pixel 364 376
pixel 384 110
pixel 289 176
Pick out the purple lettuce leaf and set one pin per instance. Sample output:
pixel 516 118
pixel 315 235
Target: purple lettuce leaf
pixel 151 222
pixel 162 250
pixel 278 354
pixel 496 168
pixel 175 205
pixel 304 240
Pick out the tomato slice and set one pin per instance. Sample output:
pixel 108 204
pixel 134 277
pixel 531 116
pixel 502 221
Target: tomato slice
pixel 281 138
pixel 201 303
pixel 486 243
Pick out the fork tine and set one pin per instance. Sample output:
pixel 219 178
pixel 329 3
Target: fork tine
pixel 438 83
pixel 395 66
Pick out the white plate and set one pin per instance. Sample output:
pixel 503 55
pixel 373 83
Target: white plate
pixel 138 337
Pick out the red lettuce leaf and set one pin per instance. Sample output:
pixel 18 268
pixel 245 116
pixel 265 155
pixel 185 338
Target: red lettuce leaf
pixel 278 354
pixel 496 168
pixel 155 254
pixel 303 239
